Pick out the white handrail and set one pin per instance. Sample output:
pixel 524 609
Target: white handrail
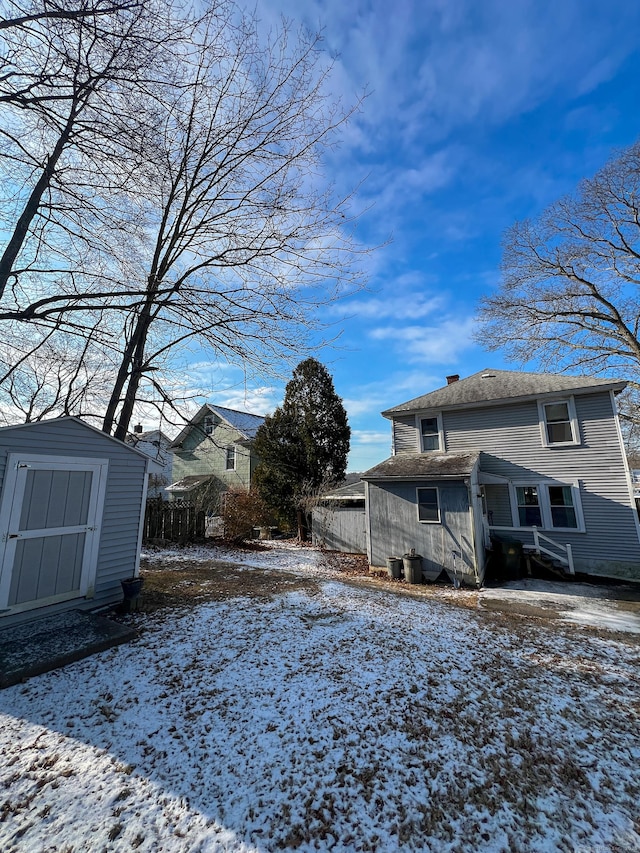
pixel 568 560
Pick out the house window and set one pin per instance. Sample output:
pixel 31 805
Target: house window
pixel 529 512
pixel 558 423
pixel 563 513
pixel 428 505
pixel 430 432
pixel 549 505
pixel 208 425
pixel 231 458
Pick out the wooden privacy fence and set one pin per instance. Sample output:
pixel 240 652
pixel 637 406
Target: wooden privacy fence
pixel 175 521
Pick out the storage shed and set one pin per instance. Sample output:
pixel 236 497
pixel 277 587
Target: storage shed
pixel 72 504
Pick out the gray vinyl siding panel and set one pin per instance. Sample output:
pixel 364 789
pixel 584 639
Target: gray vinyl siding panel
pixel 118 551
pixel 510 440
pixel 405 434
pixel 498 505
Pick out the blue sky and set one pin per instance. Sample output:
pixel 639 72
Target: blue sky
pixel 479 114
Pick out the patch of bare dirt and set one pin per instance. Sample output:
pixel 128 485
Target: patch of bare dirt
pixel 348 564
pixel 197 582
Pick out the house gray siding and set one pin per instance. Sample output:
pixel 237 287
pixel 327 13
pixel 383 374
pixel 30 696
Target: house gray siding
pixel 118 550
pixel 508 436
pixel 395 529
pixel 499 505
pixel 405 434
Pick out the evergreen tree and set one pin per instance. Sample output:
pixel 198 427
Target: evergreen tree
pixel 303 446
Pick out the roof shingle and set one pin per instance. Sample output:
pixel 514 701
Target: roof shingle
pixel 409 466
pixel 490 386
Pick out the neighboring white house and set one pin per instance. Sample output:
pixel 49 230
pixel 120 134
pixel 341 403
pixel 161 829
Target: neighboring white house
pixel 156 445
pixel 524 455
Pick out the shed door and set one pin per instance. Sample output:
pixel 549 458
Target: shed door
pixel 50 516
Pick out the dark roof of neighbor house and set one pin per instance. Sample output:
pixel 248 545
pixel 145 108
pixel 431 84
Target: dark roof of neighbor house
pixel 246 423
pixel 492 386
pixel 420 466
pixel 350 491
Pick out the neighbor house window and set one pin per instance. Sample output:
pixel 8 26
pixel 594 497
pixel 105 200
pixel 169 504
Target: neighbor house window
pixel 428 506
pixel 558 423
pixel 231 458
pixel 563 512
pixel 529 512
pixel 208 424
pixel 430 432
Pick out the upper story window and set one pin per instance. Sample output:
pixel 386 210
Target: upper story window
pixel 428 505
pixel 231 458
pixel 431 434
pixel 558 423
pixel 208 424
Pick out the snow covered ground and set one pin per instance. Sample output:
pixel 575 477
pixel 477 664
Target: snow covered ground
pixel 613 609
pixel 340 718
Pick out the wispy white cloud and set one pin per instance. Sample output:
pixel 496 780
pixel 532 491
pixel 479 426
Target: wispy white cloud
pixel 363 436
pixel 434 344
pixel 401 306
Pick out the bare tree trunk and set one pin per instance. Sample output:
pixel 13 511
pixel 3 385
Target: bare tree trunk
pixel 33 203
pixel 129 375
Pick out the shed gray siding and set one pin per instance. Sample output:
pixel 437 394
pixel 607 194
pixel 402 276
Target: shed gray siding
pixel 509 439
pixel 118 550
pixel 395 529
pixel 340 528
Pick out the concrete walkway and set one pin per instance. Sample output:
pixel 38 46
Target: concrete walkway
pixel 54 641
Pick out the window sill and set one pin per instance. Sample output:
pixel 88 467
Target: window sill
pixel 551 445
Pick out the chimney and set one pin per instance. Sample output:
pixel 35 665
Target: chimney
pixel 453 378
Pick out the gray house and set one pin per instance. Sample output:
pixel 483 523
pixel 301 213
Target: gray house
pixel 71 512
pixel 213 452
pixel 532 456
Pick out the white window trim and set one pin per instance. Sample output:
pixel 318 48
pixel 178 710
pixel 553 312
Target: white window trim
pixel 545 505
pixel 573 419
pixel 226 458
pixel 438 416
pixel 426 520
